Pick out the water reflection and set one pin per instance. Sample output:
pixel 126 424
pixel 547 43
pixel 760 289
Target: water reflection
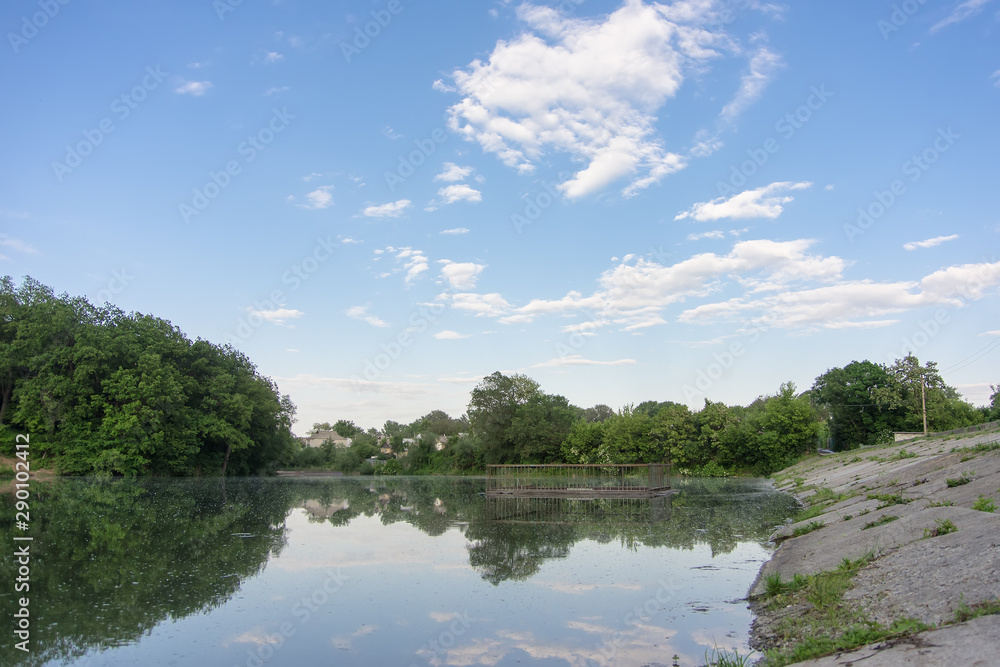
pixel 111 560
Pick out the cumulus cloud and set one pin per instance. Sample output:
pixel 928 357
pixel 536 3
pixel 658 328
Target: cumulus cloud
pixel 414 262
pixel 319 198
pixel 273 56
pixel 361 313
pixel 452 173
pixel 765 202
pixel 929 243
pixel 390 210
pixel 459 192
pixel 461 276
pixel 591 88
pixel 195 88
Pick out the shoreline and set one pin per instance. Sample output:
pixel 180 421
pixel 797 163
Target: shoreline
pixel 896 545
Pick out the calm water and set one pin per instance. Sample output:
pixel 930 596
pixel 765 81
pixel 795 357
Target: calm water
pixel 373 572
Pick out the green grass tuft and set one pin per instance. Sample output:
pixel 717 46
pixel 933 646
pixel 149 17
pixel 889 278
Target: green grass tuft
pixel 984 504
pixel 888 518
pixel 944 526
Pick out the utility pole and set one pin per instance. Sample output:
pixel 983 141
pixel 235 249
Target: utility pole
pixel 923 401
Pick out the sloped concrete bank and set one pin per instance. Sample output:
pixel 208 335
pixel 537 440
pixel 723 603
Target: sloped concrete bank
pixel 893 506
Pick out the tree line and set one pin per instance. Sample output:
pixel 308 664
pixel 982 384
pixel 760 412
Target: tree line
pixel 510 420
pixel 102 391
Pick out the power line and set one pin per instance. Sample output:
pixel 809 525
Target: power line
pixel 975 356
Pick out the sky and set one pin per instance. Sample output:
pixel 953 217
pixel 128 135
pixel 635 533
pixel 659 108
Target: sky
pixel 381 203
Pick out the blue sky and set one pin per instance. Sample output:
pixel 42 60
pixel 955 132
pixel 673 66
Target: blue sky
pixel 382 202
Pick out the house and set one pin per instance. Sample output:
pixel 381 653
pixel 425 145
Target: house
pixel 440 442
pixel 386 448
pixel 319 437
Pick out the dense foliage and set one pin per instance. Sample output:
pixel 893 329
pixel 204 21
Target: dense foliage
pixel 102 391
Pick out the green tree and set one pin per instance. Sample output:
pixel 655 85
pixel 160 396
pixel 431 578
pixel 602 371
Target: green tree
pixel 492 407
pixel 539 427
pixel 854 397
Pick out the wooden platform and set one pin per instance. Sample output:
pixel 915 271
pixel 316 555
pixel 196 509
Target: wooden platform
pixel 583 481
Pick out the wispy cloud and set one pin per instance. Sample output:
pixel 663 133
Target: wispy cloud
pixel 763 66
pixel 275 90
pixel 194 88
pixel 929 243
pixel 361 313
pixel 450 335
pixel 996 78
pixel 273 56
pixel 765 202
pixel 961 12
pixel 390 210
pixel 278 315
pixel 578 360
pixel 16 244
pixel 455 231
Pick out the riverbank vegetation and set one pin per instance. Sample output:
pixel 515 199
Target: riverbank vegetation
pixel 101 391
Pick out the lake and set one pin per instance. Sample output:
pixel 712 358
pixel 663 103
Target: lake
pixel 382 571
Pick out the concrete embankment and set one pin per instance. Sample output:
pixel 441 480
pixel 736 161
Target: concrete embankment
pixel 918 515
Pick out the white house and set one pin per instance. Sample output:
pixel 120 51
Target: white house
pixel 319 437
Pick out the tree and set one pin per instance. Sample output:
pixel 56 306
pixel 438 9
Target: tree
pixel 346 428
pixel 855 398
pixel 492 407
pixel 539 427
pixel 674 432
pixel 914 386
pixel 598 413
pixel 583 442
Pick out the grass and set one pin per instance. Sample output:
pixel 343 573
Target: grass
pixel 888 518
pixel 889 499
pixel 903 454
pixel 966 612
pixel 944 526
pixel 981 447
pixel 809 513
pixel 941 503
pixel 826 625
pixel 808 528
pixel 848 517
pixel 953 482
pixel 984 504
pixel 721 658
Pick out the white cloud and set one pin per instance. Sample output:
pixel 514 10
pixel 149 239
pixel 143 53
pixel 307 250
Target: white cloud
pixel 195 88
pixel 461 276
pixel 481 304
pixel 578 360
pixel 361 313
pixel 450 335
pixel 929 243
pixel 350 241
pixel 414 261
pixel 273 56
pixel 275 90
pixel 634 293
pixel 765 202
pixel 391 133
pixel 591 88
pixel 961 12
pixel 991 333
pixel 459 192
pixel 996 78
pixel 455 231
pixel 319 198
pixel 853 304
pixel 278 315
pixel 16 244
pixel 390 210
pixel 717 234
pixel 452 172
pixel 312 176
pixel 763 65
